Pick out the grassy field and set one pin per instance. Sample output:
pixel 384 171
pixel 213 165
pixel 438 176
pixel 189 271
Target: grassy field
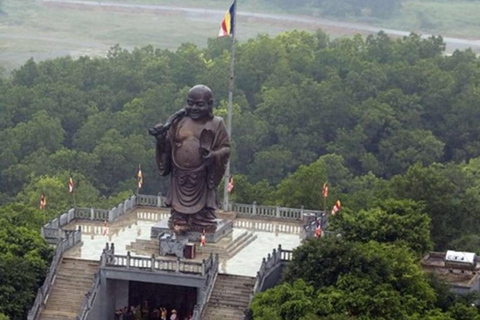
pixel 32 29
pixel 449 18
pixel 456 18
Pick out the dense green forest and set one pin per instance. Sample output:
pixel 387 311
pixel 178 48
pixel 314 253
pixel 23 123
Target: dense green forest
pixel 391 124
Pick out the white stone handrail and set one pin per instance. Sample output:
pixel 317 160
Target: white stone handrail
pixel 269 263
pixel 211 272
pixel 43 293
pixel 270 211
pixel 240 208
pixel 91 295
pixel 156 264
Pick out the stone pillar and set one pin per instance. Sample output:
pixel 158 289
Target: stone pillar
pixel 159 200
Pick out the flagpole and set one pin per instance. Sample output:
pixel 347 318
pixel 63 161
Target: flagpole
pixel 73 195
pixel 230 101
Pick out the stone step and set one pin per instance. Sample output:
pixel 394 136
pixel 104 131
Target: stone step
pixel 230 297
pixel 232 285
pixel 73 280
pixel 242 244
pixel 71 287
pixel 228 303
pixel 57 315
pixel 223 313
pixel 239 238
pixel 233 294
pixel 84 270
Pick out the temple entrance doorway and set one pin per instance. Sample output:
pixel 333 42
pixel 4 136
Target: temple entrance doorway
pixel 155 295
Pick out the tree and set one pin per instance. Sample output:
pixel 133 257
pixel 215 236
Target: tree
pixel 24 257
pixel 402 222
pixel 364 280
pixel 303 188
pixel 439 188
pixel 286 301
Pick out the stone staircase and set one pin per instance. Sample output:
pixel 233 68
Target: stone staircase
pixel 226 248
pixel 73 280
pixel 230 297
pixel 240 243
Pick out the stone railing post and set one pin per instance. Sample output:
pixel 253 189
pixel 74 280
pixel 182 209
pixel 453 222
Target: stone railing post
pixel 103 259
pixel 177 266
pixel 128 259
pixel 278 212
pixel 92 214
pixel 254 208
pixel 301 212
pixel 153 262
pixel 203 267
pixel 159 200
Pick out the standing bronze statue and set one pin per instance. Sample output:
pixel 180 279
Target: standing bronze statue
pixel 193 146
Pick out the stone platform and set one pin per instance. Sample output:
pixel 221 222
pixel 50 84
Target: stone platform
pixel 224 228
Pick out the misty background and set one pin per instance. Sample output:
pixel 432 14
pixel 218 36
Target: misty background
pixel 45 29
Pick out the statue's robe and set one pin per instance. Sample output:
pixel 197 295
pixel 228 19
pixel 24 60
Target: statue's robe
pixel 194 183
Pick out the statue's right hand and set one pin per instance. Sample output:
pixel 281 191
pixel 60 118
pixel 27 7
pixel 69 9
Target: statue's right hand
pixel 157 130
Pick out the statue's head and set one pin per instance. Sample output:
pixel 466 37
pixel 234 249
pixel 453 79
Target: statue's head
pixel 199 102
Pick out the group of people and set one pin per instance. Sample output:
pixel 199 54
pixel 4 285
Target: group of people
pixel 143 312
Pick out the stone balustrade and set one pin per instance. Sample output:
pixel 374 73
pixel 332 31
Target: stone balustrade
pixel 71 240
pixel 89 299
pixel 270 272
pixel 54 233
pixel 156 264
pixel 276 212
pixel 211 272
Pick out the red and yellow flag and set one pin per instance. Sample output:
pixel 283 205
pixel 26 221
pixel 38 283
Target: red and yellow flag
pixel 70 185
pixel 140 177
pixel 43 202
pixel 226 28
pixel 325 190
pixel 230 184
pixel 337 207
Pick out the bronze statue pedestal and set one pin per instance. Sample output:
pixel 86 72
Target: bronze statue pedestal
pixel 224 228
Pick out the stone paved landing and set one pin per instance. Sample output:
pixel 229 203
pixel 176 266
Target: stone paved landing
pixel 137 225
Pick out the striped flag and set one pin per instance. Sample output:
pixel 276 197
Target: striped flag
pixel 318 230
pixel 43 202
pixel 337 207
pixel 226 28
pixel 105 228
pixel 230 184
pixel 203 239
pixel 140 177
pixel 325 190
pixel 70 185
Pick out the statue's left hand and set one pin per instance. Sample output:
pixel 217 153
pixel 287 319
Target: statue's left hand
pixel 208 155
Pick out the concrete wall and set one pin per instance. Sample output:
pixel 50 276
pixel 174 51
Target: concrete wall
pixel 273 277
pixel 104 304
pixel 121 293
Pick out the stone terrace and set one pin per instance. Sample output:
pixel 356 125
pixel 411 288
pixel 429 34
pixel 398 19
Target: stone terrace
pixel 131 232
